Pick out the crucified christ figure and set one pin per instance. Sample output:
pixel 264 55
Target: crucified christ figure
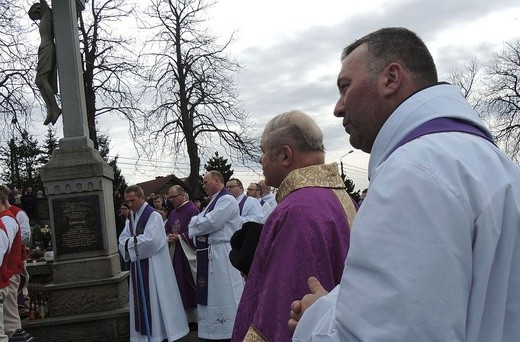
pixel 46 72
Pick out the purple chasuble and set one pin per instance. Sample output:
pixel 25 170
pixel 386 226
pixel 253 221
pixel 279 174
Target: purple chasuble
pixel 295 243
pixel 203 256
pixel 178 223
pixel 138 303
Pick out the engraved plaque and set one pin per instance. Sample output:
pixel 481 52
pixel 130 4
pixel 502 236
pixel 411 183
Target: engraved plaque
pixel 77 224
pixel 42 209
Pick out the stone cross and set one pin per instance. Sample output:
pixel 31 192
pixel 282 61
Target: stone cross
pixel 75 126
pixel 88 295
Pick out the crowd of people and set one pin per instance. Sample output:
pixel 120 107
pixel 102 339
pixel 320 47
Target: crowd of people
pixel 431 252
pixel 15 235
pixel 197 243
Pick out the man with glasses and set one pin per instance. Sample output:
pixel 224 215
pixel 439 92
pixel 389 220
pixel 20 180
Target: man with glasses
pixel 253 190
pixel 267 199
pixel 182 249
pixel 250 207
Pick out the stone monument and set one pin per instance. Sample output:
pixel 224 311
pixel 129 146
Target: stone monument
pixel 89 294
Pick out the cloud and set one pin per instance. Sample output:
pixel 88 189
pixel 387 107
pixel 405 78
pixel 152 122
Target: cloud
pixel 290 51
pixel 297 69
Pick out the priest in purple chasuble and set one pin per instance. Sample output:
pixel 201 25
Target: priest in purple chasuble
pixel 163 303
pixel 182 249
pixel 307 234
pixel 219 284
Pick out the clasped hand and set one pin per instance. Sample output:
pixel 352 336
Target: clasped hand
pixel 298 307
pixel 173 237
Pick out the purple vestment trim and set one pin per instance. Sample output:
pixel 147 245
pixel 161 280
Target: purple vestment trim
pixel 138 304
pixel 441 125
pixel 241 204
pixel 203 256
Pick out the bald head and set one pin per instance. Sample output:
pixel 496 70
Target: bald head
pixel 293 128
pixel 290 141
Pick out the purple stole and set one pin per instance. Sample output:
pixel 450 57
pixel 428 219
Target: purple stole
pixel 203 256
pixel 181 266
pixel 241 205
pixel 441 125
pixel 138 304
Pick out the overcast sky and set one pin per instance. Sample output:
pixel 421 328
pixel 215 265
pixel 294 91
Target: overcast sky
pixel 290 54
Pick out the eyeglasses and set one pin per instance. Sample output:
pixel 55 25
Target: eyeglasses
pixel 172 197
pixel 249 189
pixel 231 186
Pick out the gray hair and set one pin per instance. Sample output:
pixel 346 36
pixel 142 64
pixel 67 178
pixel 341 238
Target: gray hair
pixel 295 129
pixel 399 45
pixel 216 175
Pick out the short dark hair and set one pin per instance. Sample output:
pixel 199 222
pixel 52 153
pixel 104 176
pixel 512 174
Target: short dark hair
pixel 4 194
pixel 238 182
pixel 397 44
pixel 136 189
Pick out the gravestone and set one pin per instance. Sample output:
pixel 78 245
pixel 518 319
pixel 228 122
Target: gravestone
pixel 88 299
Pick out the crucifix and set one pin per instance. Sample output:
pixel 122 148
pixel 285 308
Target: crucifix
pixel 63 56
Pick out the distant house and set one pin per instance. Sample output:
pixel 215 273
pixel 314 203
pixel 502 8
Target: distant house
pixel 160 185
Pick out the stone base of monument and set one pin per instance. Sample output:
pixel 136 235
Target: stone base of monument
pixel 74 298
pixel 88 295
pixel 93 327
pixel 93 308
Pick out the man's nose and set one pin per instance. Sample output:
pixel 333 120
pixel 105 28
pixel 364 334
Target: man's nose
pixel 339 109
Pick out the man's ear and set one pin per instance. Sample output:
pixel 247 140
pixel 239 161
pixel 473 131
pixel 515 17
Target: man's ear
pixel 287 155
pixel 392 78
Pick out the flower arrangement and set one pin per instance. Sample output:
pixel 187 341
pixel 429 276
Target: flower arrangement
pixel 42 237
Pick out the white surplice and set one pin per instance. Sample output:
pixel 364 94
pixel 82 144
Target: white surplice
pixel 251 211
pixel 435 247
pixel 225 284
pixel 168 317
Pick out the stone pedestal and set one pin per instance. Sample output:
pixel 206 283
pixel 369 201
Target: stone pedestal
pixel 88 298
pixel 93 327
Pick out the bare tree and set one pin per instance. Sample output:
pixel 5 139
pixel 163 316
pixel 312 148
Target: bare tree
pixel 503 93
pixel 109 62
pixel 467 80
pixel 16 68
pixel 196 107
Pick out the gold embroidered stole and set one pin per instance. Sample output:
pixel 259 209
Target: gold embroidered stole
pixel 254 335
pixel 321 176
